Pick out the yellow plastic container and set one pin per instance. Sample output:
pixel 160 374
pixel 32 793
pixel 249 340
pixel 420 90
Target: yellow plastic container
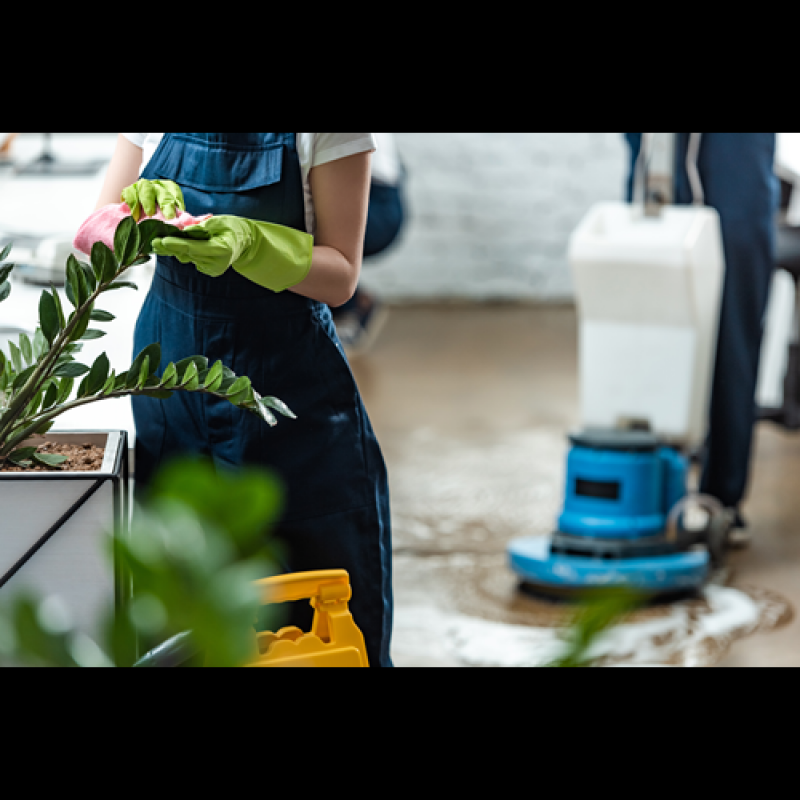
pixel 334 640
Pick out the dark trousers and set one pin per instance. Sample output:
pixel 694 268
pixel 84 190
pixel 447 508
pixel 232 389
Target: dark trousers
pixel 736 171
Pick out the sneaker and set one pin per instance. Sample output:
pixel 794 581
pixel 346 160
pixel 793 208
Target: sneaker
pixel 740 535
pixel 359 323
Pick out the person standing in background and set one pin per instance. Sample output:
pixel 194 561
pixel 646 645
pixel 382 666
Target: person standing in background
pixel 736 172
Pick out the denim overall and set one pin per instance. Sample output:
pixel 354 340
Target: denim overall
pixel 336 513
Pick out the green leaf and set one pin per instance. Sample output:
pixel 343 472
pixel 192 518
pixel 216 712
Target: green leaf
pixel 40 346
pixel 5 271
pixel 239 385
pixel 5 290
pixel 126 241
pixel 26 348
pixel 70 370
pixel 101 316
pixel 153 353
pixel 213 379
pixel 88 274
pixel 65 387
pixel 82 388
pixel 50 396
pixel 170 376
pixel 33 406
pixel 190 380
pixel 48 317
pixel 21 457
pixel 98 374
pixel 77 290
pixel 57 300
pixel 5 251
pixel 104 262
pixel 49 459
pixel 22 378
pixel 80 329
pixel 108 386
pixel 144 373
pixel 278 405
pixel 16 357
pixel 2 362
pixel 120 285
pixel 92 333
pixel 201 362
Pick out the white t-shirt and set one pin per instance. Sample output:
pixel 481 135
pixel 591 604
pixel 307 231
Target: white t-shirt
pixel 313 150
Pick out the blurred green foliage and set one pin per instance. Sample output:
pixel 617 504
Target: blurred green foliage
pixel 596 612
pixel 196 546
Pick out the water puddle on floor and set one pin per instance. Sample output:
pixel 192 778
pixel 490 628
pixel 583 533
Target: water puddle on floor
pixel 456 503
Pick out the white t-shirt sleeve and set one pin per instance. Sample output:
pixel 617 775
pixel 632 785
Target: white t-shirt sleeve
pixel 136 138
pixel 315 149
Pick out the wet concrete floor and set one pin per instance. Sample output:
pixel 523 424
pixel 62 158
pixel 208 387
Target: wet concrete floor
pixel 472 404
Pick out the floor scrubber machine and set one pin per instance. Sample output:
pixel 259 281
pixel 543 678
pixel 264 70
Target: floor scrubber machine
pixel 648 281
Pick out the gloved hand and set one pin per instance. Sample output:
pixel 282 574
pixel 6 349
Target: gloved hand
pixel 146 195
pixel 272 256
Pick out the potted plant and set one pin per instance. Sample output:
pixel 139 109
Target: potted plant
pixel 53 518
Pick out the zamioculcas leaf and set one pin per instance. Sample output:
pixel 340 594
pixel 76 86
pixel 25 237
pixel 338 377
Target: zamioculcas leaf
pixel 98 374
pixel 48 317
pixel 170 376
pixel 103 262
pixel 70 370
pixel 49 459
pixel 89 276
pixel 57 300
pixel 214 377
pixel 120 285
pixel 153 354
pixel 278 405
pixel 5 290
pixel 33 406
pixel 108 386
pixel 21 457
pixel 80 329
pixel 201 362
pixel 82 388
pixel 2 362
pixel 25 348
pixel 77 290
pixel 238 386
pixel 5 251
pixel 64 390
pixel 101 316
pixel 144 373
pixel 126 242
pixel 190 381
pixel 50 396
pixel 16 356
pixel 22 378
pixel 93 333
pixel 39 344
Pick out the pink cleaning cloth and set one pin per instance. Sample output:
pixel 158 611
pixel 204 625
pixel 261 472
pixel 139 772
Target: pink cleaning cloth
pixel 101 225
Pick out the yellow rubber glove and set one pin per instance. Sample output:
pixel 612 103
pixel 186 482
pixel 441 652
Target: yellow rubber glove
pixel 272 256
pixel 146 195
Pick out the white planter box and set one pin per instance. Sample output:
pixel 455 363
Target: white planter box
pixel 54 528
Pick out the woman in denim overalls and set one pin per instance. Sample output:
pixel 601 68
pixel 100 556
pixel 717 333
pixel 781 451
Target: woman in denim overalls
pixel 337 501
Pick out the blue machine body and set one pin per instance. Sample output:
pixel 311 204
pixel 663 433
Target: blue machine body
pixel 621 494
pixel 620 489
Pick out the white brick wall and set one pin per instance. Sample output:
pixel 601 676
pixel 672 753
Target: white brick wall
pixel 489 214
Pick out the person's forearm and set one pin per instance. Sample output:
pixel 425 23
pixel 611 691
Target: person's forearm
pixel 122 172
pixel 332 278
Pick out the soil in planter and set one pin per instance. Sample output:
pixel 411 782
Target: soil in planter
pixel 80 458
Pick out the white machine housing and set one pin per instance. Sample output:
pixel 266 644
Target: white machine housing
pixel 648 292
